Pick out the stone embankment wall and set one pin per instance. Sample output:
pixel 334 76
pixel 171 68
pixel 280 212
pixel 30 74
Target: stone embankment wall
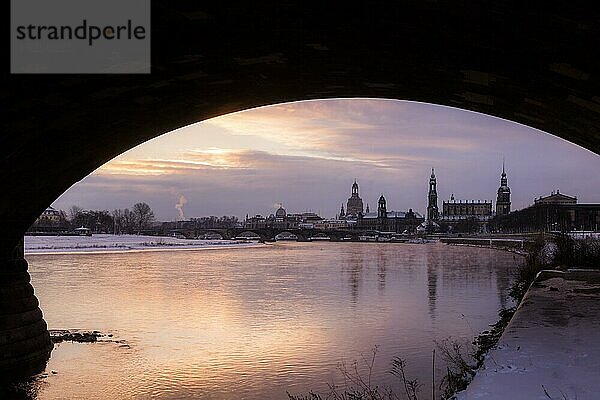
pixel 518 245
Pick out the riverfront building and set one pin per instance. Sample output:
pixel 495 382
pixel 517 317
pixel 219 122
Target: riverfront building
pixel 463 214
pixel 283 220
pixel 390 221
pixel 454 210
pixel 477 210
pixel 356 217
pixel 51 220
pixel 555 198
pixel 554 213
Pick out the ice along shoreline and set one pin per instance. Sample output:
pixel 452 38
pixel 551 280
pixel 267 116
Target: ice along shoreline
pixel 106 243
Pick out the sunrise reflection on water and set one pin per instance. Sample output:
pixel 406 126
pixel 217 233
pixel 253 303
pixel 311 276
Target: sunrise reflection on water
pixel 255 322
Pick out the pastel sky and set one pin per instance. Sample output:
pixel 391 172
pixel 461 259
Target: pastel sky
pixel 306 155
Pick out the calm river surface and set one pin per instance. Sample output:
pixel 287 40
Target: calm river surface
pixel 254 322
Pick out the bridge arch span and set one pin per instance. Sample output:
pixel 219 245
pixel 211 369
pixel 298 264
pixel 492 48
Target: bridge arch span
pixel 513 60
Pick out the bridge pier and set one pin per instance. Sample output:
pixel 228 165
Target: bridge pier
pixel 25 343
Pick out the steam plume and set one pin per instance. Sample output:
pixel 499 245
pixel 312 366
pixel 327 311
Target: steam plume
pixel 179 207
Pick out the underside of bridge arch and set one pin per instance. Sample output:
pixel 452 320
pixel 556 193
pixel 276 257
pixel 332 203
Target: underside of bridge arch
pixel 529 62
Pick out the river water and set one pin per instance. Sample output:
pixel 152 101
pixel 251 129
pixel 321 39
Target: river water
pixel 255 322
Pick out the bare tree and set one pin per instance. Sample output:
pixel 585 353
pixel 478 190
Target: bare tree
pixel 128 222
pixel 118 220
pixel 74 212
pixel 143 216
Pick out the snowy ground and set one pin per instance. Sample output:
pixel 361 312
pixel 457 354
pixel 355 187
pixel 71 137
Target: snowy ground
pixel 104 243
pixel 551 347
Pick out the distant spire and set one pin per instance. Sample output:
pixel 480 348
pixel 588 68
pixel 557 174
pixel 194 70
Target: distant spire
pixel 355 188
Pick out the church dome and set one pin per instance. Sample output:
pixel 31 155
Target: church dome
pixel 280 213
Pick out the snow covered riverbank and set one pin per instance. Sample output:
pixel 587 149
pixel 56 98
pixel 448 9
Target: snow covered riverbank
pixel 118 243
pixel 551 347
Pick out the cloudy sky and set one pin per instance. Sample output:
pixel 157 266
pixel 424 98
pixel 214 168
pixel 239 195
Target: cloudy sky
pixel 306 155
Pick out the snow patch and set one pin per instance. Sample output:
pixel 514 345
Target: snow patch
pixel 120 243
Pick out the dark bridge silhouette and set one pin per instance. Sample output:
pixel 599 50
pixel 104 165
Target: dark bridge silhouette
pixel 529 62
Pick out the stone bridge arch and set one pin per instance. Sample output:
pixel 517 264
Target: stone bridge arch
pixel 250 233
pixel 515 60
pixel 218 234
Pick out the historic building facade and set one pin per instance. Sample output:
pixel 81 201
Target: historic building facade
pixel 556 198
pixel 390 221
pixel 554 213
pixel 467 215
pixel 282 220
pixel 454 210
pixel 460 210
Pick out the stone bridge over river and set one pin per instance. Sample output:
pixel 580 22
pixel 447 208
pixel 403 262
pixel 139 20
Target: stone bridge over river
pixel 529 62
pixel 269 234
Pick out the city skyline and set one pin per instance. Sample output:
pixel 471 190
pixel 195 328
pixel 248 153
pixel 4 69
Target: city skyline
pixel 306 156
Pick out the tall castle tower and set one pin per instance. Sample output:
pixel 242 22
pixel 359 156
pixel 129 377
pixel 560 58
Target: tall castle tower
pixel 381 214
pixel 432 208
pixel 354 206
pixel 503 199
pixel 381 208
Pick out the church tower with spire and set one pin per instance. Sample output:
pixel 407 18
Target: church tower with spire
pixel 381 214
pixel 432 207
pixel 503 199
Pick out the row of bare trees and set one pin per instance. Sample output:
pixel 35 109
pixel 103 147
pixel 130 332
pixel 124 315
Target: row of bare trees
pixel 139 218
pixel 136 220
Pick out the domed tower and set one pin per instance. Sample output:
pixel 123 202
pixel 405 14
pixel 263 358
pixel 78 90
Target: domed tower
pixel 354 206
pixel 503 199
pixel 280 213
pixel 381 208
pixel 381 214
pixel 432 207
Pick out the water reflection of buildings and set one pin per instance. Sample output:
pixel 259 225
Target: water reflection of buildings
pixel 355 265
pixel 504 283
pixel 382 265
pixel 360 265
pixel 433 265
